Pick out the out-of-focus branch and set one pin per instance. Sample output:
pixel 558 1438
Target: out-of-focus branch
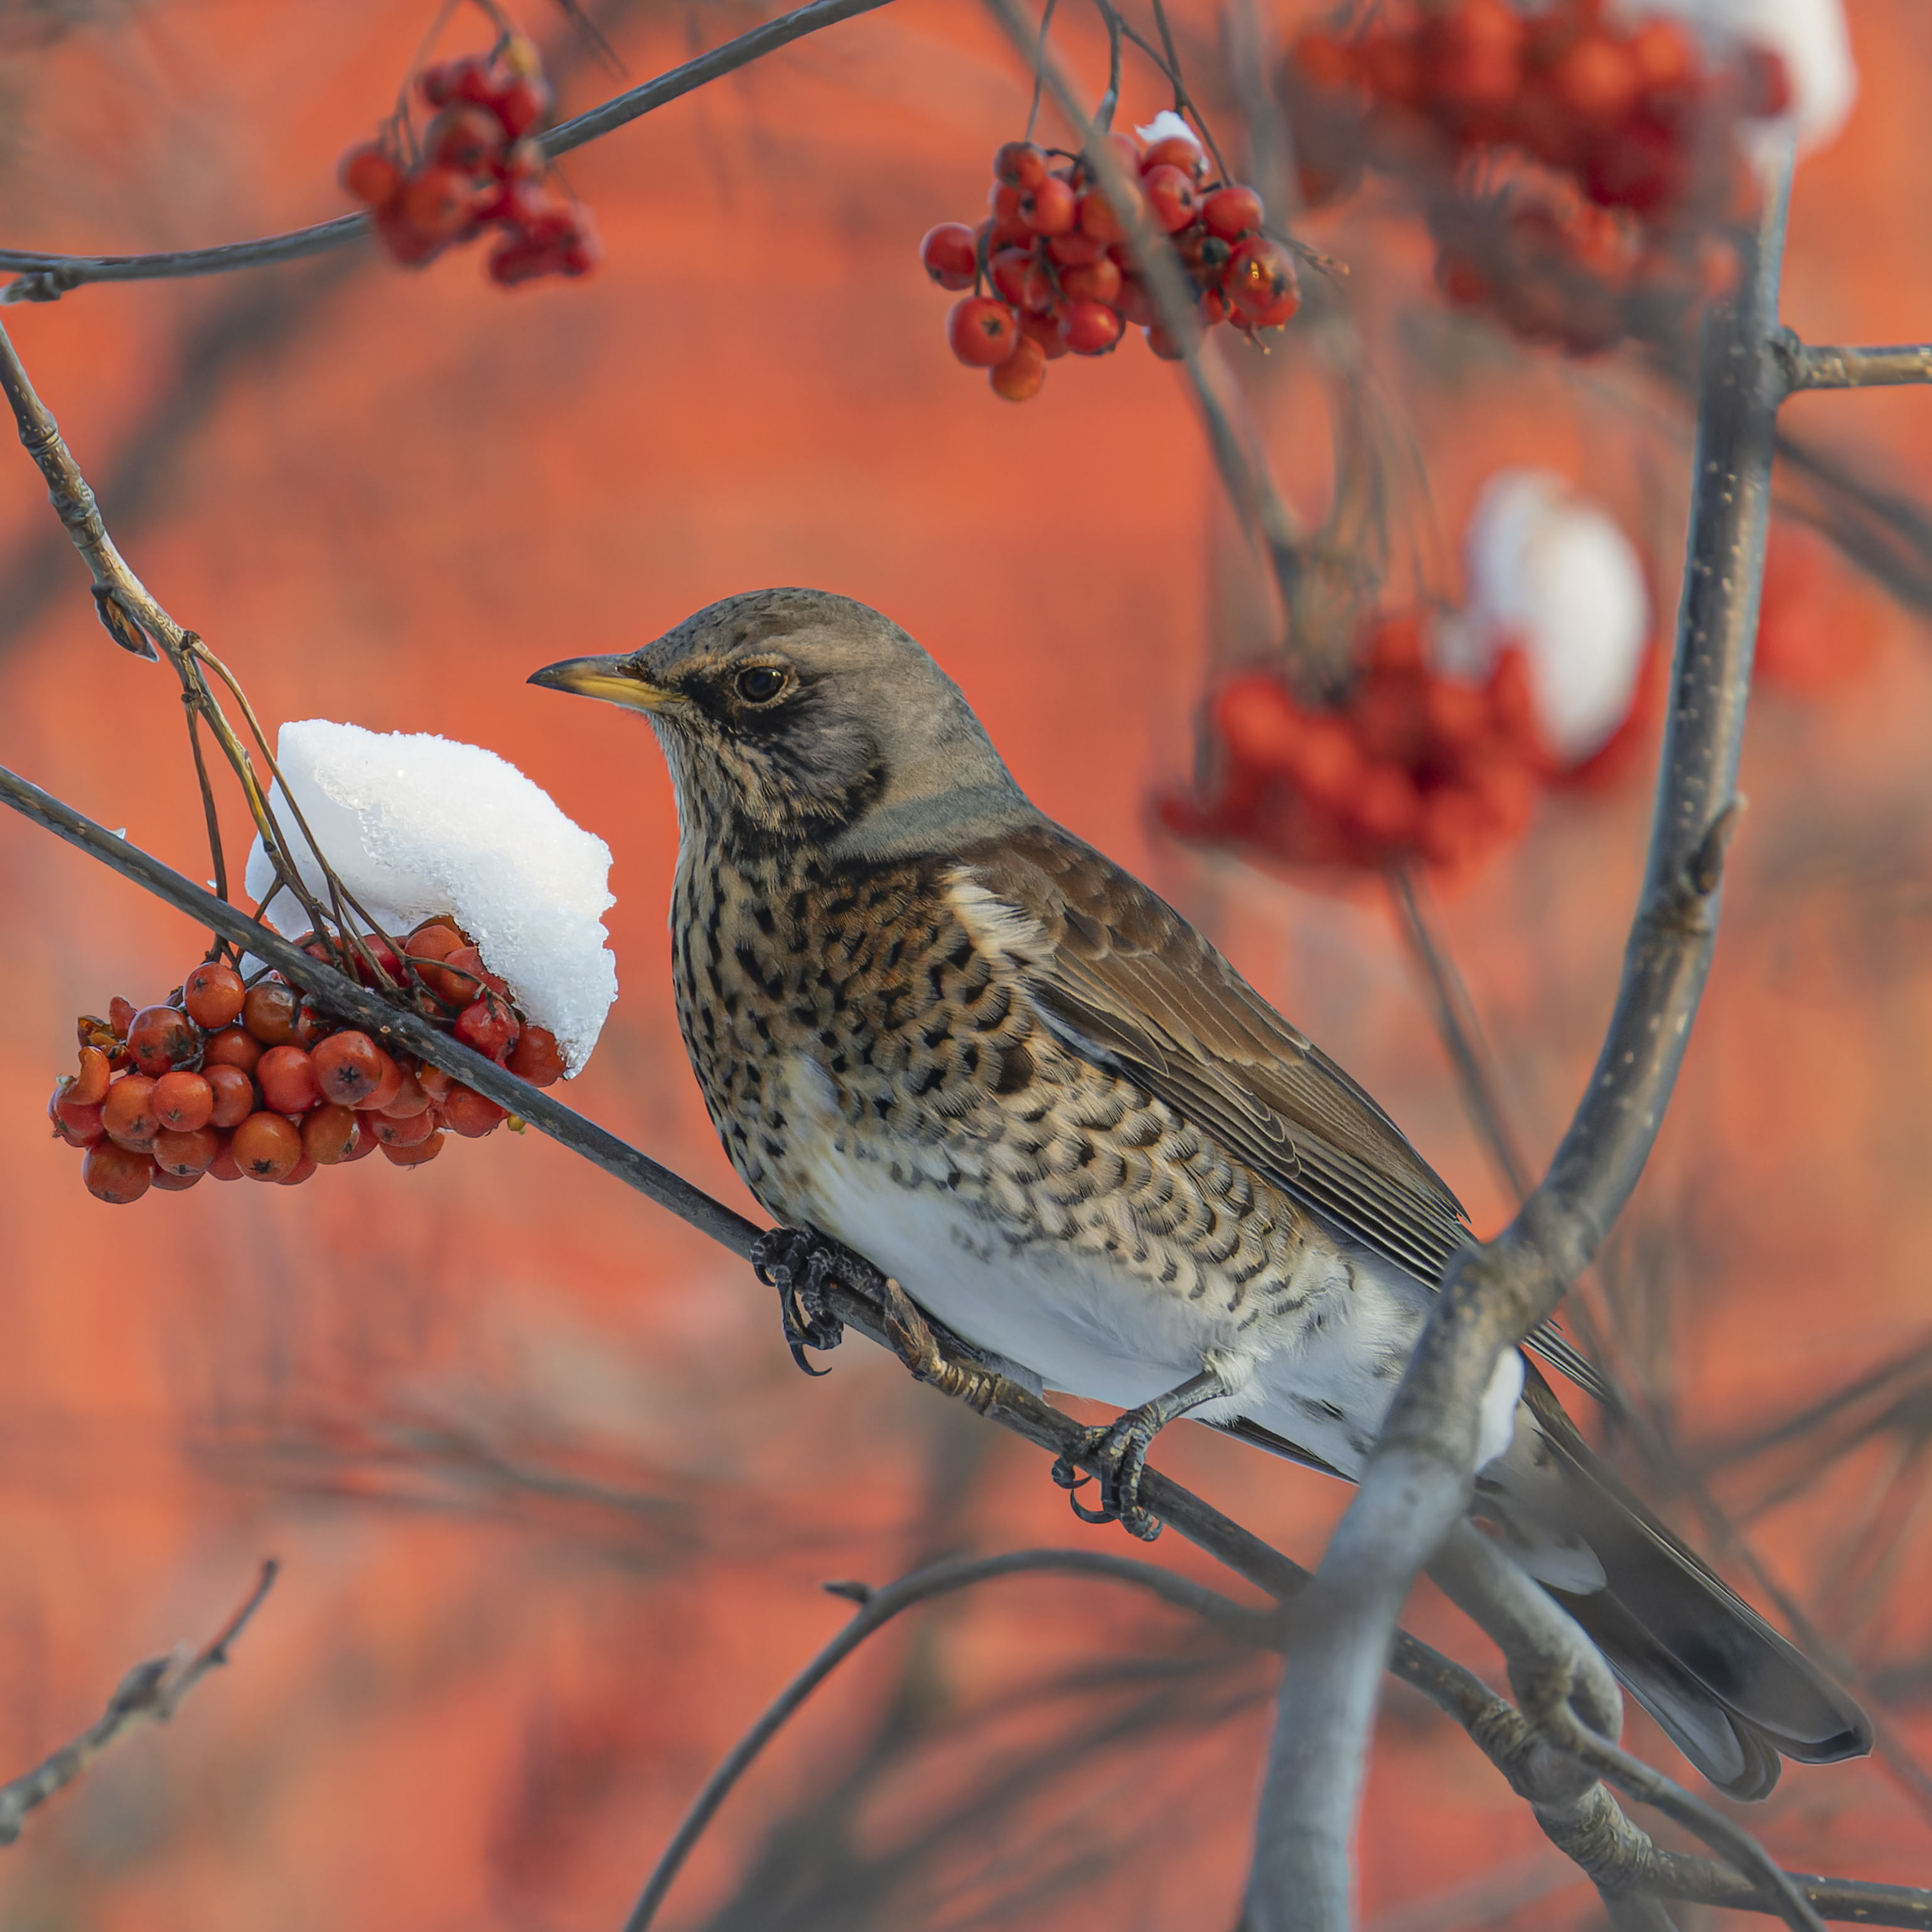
pixel 150 1693
pixel 45 277
pixel 878 1608
pixel 1814 367
pixel 1416 1484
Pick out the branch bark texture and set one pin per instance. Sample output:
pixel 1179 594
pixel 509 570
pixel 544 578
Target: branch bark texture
pixel 1417 1483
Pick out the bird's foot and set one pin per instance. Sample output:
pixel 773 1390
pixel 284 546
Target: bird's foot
pixel 799 1262
pixel 1120 1447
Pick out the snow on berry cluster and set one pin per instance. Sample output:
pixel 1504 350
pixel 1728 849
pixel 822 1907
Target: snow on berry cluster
pixel 479 166
pixel 1055 253
pixel 1578 167
pixel 235 1077
pixel 1455 721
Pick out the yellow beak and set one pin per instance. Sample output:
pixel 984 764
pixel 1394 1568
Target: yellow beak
pixel 614 679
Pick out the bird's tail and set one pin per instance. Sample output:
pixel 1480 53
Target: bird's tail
pixel 1732 1694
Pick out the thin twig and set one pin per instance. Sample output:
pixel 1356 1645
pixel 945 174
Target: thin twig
pixel 150 1693
pixel 877 1609
pixel 1813 367
pixel 1417 1483
pixel 44 278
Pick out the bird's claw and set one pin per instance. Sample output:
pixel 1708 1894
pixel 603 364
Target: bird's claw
pixel 798 1262
pixel 1120 1447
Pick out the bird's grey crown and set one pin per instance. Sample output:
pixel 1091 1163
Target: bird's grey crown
pixel 938 783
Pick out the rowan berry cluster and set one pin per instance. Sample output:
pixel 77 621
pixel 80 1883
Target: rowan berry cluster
pixel 479 167
pixel 233 1078
pixel 1577 167
pixel 1413 766
pixel 1055 252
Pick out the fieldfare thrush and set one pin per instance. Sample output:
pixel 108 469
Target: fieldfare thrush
pixel 931 1024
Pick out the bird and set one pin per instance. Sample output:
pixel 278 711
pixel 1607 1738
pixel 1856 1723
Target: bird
pixel 931 1024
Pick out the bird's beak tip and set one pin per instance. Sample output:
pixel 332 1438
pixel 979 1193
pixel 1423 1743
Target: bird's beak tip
pixel 614 679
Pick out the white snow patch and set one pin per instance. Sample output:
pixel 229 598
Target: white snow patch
pixel 1814 42
pixel 416 824
pixel 1551 573
pixel 1164 125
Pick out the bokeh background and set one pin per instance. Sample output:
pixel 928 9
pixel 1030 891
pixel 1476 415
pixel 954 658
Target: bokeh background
pixel 553 1506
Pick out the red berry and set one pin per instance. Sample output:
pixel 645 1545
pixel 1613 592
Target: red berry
pixel 1597 82
pixel 1010 271
pixel 1073 250
pixel 369 175
pixel 1170 198
pixel 348 1068
pixel 435 201
pixel 410 1130
pixel 330 1134
pixel 950 255
pixel 78 1124
pixel 266 1147
pixel 212 995
pixel 162 1038
pixel 385 1089
pixel 447 80
pixel 232 1046
pixel 1020 164
pixel 269 1011
pixel 1090 328
pixel 183 1102
pixel 464 137
pixel 116 1174
pixel 489 1025
pixel 1049 209
pixel 222 1166
pixel 1162 344
pixel 120 1016
pixel 233 1094
pixel 425 949
pixel 303 1170
pixel 1100 219
pixel 185 1151
pixel 167 1181
pixel 1134 302
pixel 366 1142
pixel 522 105
pixel 1020 377
pixel 1231 212
pixel 1097 282
pixel 384 960
pixel 983 331
pixel 127 1115
pixel 412 1157
pixel 1176 151
pixel 1259 281
pixel 534 1058
pixel 471 1114
pixel 1044 329
pixel 286 1077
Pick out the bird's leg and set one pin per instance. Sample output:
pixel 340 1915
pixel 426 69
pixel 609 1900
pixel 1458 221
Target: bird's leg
pixel 1121 1447
pixel 798 1262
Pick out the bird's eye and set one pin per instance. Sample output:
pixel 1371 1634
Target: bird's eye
pixel 760 684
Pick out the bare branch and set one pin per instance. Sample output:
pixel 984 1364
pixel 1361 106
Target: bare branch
pixel 150 1693
pixel 45 277
pixel 877 1609
pixel 1416 1484
pixel 1820 368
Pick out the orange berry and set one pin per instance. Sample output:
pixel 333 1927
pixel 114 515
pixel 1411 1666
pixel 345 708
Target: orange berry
pixel 128 1113
pixel 189 1152
pixel 183 1102
pixel 268 1011
pixel 535 1057
pixel 213 994
pixel 1022 375
pixel 473 1115
pixel 162 1038
pixel 266 1147
pixel 232 1046
pixel 224 1166
pixel 415 1155
pixel 409 1131
pixel 167 1182
pixel 408 1100
pixel 386 1088
pixel 118 1174
pixel 286 1077
pixel 348 1067
pixel 330 1135
pixel 233 1096
pixel 88 1087
pixel 303 1170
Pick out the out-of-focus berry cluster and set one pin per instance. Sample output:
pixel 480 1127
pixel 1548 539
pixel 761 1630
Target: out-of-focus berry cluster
pixel 479 167
pixel 1578 168
pixel 1055 253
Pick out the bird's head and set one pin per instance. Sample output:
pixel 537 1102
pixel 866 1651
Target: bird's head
pixel 797 715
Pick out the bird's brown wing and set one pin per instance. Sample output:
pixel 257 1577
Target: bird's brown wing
pixel 1116 972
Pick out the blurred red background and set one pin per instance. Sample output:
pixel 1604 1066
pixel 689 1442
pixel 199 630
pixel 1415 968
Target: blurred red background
pixel 553 1505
